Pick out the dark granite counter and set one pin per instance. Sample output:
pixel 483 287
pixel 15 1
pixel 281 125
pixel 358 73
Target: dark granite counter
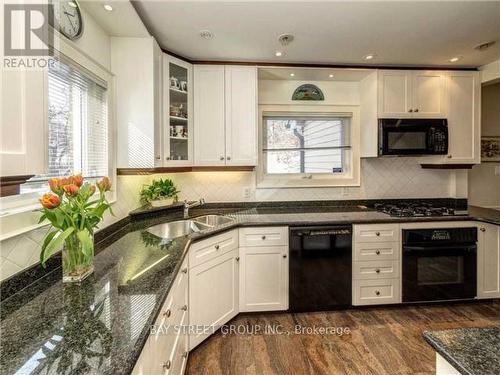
pixel 471 351
pixel 101 326
pixel 486 214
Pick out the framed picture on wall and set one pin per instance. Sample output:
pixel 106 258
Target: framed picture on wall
pixel 490 149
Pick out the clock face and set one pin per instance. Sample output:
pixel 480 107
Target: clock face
pixel 67 18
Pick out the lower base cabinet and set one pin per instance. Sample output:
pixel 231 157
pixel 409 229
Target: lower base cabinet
pixel 213 295
pixel 488 261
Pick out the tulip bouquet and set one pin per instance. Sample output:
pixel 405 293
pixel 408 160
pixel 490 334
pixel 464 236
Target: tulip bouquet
pixel 74 212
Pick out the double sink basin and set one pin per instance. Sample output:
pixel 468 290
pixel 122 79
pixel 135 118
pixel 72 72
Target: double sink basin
pixel 180 228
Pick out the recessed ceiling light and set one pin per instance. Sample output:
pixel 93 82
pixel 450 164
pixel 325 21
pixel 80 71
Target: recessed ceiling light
pixel 72 4
pixel 278 53
pixel 370 56
pixel 108 7
pixel 484 46
pixel 207 34
pixel 455 59
pixel 292 74
pixel 331 76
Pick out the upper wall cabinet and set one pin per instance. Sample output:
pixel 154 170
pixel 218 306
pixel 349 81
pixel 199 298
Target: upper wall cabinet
pixel 177 112
pixel 137 64
pixel 23 149
pixel 225 106
pixel 415 94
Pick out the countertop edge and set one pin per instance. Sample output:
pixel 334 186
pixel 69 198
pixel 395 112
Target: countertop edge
pixel 442 352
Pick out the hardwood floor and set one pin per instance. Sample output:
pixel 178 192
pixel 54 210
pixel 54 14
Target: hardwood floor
pixel 381 341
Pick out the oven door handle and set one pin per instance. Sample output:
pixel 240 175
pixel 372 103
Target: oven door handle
pixel 461 248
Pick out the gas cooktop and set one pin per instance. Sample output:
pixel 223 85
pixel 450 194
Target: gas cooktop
pixel 419 209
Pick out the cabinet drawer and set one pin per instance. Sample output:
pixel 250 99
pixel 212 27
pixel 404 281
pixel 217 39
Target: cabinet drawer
pixel 376 251
pixel 180 353
pixel 375 270
pixel 264 236
pixel 203 251
pixel 376 233
pixel 376 292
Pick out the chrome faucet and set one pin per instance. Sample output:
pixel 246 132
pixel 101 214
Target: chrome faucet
pixel 188 205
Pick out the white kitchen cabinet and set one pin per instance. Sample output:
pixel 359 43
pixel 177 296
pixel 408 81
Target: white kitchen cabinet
pixel 136 63
pixel 488 261
pixel 225 107
pixel 178 137
pixel 411 94
pixel 241 115
pixel 209 115
pixel 264 278
pixel 24 114
pixel 213 295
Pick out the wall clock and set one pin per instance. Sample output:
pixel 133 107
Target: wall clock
pixel 68 18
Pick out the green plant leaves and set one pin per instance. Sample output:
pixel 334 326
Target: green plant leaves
pixel 86 241
pixel 158 189
pixel 53 244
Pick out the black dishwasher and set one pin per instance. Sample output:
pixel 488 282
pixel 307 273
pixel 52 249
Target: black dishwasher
pixel 320 267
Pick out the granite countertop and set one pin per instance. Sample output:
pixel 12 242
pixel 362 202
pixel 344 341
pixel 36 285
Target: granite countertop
pixel 486 214
pixel 471 351
pixel 102 325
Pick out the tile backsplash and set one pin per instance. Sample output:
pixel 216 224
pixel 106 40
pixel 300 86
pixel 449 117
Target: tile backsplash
pixel 380 178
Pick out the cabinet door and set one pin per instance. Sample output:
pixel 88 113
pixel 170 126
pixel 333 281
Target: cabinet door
pixel 209 120
pixel 463 118
pixel 488 261
pixel 394 94
pixel 213 295
pixel 178 112
pixel 241 115
pixel 264 278
pixel 24 114
pixel 429 94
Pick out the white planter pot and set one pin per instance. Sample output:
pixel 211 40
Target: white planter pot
pixel 162 202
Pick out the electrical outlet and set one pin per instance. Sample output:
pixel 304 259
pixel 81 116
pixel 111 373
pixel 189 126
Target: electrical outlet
pixel 247 192
pixel 497 170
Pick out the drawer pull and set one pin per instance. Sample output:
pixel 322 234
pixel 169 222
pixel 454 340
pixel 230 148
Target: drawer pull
pixel 217 247
pixel 167 313
pixel 377 293
pixel 284 255
pixel 377 234
pixel 483 229
pixel 377 252
pixel 184 270
pixel 237 259
pixel 166 365
pixel 377 270
pixel 184 308
pixel 185 354
pixel 263 237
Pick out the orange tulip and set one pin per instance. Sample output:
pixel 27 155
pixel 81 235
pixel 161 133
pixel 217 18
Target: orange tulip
pixel 50 201
pixel 55 185
pixel 92 189
pixel 71 190
pixel 104 184
pixel 77 180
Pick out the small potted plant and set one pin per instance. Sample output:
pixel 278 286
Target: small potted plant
pixel 159 193
pixel 73 215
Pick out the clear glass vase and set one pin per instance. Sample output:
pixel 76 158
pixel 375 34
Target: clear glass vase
pixel 77 263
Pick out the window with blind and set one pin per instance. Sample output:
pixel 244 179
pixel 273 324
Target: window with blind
pixel 306 144
pixel 77 125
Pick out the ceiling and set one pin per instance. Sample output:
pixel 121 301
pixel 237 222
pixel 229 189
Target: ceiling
pixel 312 74
pixel 419 33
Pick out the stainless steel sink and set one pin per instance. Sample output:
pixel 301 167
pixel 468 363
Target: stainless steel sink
pixel 176 229
pixel 213 220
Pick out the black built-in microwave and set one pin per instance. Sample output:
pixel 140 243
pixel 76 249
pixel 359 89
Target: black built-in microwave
pixel 407 137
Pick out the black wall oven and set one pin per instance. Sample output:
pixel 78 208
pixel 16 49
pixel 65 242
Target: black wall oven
pixel 406 137
pixel 439 264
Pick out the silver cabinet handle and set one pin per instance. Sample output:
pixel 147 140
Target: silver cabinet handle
pixel 184 308
pixel 185 355
pixel 228 157
pixel 166 364
pixel 377 293
pixel 184 270
pixel 449 156
pixel 217 247
pixel 483 229
pixel 237 259
pixel 167 158
pixel 377 234
pixel 157 157
pixel 167 313
pixel 263 237
pixel 416 110
pixel 222 158
pixel 377 270
pixel 410 110
pixel 377 252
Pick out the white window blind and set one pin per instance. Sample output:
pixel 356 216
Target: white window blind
pixel 77 123
pixel 306 144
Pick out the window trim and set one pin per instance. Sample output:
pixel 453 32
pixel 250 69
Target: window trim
pixel 302 180
pixel 19 215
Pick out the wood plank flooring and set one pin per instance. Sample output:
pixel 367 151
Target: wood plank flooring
pixel 384 340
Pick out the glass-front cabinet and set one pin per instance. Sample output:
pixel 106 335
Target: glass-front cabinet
pixel 177 112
